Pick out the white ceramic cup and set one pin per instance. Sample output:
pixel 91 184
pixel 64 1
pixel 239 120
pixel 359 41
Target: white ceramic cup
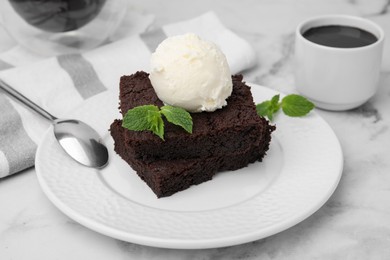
pixel 337 78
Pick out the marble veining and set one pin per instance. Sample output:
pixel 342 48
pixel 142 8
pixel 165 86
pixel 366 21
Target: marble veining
pixel 353 224
pixel 367 110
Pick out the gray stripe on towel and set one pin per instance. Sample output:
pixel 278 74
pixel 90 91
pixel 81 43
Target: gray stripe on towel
pixel 82 73
pixel 17 146
pixel 5 65
pixel 153 38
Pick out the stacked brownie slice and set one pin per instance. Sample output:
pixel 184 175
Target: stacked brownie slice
pixel 227 139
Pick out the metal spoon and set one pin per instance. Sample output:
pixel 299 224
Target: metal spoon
pixel 77 138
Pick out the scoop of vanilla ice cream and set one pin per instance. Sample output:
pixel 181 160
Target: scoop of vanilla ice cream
pixel 190 73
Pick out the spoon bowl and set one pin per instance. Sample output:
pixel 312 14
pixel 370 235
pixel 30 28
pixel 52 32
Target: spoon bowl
pixel 81 142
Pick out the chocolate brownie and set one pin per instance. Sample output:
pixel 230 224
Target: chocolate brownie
pixel 229 129
pixel 166 177
pixel 227 139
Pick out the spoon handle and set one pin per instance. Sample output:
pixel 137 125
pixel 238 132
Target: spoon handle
pixel 21 98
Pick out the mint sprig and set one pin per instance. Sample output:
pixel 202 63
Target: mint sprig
pixel 149 117
pixel 292 105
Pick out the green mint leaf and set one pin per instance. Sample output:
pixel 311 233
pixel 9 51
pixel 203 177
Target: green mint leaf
pixel 275 101
pixel 275 106
pixel 136 119
pixel 156 123
pixel 296 106
pixel 263 108
pixel 268 108
pixel 178 116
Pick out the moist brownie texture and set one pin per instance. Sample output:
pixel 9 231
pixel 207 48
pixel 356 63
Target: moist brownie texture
pixel 227 139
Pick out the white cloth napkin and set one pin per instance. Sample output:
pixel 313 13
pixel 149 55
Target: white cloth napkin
pixel 61 83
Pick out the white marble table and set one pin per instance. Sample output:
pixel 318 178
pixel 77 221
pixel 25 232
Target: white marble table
pixel 353 224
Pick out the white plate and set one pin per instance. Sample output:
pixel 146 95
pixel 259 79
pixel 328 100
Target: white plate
pixel 300 172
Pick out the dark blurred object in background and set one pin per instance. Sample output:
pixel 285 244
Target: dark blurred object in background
pixel 58 15
pixel 54 27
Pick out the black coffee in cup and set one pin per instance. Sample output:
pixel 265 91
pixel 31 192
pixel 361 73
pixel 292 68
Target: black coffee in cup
pixel 339 36
pixel 57 15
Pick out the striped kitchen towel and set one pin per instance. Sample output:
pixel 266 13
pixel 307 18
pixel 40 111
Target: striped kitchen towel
pixel 61 83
